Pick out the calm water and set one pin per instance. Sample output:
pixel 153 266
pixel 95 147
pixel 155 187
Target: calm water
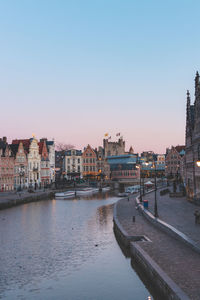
pixel 64 249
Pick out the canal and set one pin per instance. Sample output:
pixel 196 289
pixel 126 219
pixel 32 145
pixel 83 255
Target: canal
pixel 65 249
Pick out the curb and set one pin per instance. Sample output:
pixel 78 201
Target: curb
pixel 169 229
pixel 160 279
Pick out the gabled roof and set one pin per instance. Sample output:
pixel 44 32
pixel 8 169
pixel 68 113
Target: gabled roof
pixel 25 142
pixel 40 144
pixel 14 148
pixel 3 146
pixel 180 148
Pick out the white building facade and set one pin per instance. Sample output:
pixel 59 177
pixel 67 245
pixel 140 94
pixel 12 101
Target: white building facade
pixel 34 164
pixel 73 163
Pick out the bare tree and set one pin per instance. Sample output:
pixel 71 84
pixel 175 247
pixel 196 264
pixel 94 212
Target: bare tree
pixel 64 147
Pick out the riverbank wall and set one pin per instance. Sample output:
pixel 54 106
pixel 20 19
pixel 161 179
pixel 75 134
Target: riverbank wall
pixel 160 280
pixel 19 199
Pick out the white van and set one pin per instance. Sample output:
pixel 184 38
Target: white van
pixel 133 189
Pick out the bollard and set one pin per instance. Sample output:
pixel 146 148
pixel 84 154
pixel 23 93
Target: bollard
pixel 133 219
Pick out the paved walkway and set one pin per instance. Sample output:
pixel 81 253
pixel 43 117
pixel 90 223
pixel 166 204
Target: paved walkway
pixel 180 262
pixel 177 212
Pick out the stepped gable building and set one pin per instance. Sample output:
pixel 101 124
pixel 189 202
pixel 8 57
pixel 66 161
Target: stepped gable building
pixel 114 148
pixel 192 141
pixel 173 160
pixel 51 151
pixel 32 149
pixel 6 166
pixel 89 159
pixel 20 165
pixel 44 164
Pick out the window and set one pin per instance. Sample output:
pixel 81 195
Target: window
pixel 78 160
pixel 90 168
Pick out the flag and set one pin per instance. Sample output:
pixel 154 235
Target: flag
pixel 118 134
pixel 106 134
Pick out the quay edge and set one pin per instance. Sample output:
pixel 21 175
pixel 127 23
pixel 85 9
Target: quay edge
pixel 163 283
pixel 27 199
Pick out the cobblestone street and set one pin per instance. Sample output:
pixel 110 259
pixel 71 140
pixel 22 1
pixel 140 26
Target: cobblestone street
pixel 179 262
pixel 177 212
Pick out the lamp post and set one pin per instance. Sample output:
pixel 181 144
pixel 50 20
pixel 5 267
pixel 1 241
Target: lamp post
pixel 139 167
pixel 100 175
pixel 155 200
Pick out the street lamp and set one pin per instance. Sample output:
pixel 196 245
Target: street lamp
pixel 139 167
pixel 100 175
pixel 155 199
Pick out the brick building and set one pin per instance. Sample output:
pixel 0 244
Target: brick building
pixel 44 164
pixel 89 160
pixel 6 166
pixel 20 165
pixel 173 160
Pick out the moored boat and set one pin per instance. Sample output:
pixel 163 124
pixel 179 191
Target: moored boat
pixel 86 191
pixel 65 194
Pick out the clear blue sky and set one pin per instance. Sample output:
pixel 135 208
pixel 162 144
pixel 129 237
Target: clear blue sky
pixel 74 70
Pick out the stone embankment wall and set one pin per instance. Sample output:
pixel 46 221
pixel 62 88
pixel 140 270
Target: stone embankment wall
pixel 159 278
pixel 27 199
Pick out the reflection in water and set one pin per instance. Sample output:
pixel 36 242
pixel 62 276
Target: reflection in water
pixel 64 249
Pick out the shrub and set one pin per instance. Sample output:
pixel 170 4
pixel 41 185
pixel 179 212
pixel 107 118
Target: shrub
pixel 164 192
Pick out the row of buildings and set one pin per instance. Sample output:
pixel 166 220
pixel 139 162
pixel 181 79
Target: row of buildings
pixel 26 163
pixel 112 162
pixel 31 163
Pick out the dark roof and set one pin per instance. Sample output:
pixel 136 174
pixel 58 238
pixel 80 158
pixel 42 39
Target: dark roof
pixel 180 148
pixel 69 152
pixel 3 146
pixel 25 142
pixel 49 143
pixel 14 148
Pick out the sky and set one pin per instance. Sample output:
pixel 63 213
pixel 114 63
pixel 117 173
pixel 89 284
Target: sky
pixel 75 70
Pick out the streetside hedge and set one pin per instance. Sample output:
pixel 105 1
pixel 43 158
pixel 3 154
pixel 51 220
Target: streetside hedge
pixel 164 192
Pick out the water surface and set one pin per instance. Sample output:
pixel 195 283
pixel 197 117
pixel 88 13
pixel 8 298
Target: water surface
pixel 64 249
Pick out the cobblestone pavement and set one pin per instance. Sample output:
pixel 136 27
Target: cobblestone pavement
pixel 177 212
pixel 179 262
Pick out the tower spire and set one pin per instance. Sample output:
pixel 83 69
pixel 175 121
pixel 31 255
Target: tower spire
pixel 188 108
pixel 196 83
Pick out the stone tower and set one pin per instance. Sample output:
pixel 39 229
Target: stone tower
pixel 114 148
